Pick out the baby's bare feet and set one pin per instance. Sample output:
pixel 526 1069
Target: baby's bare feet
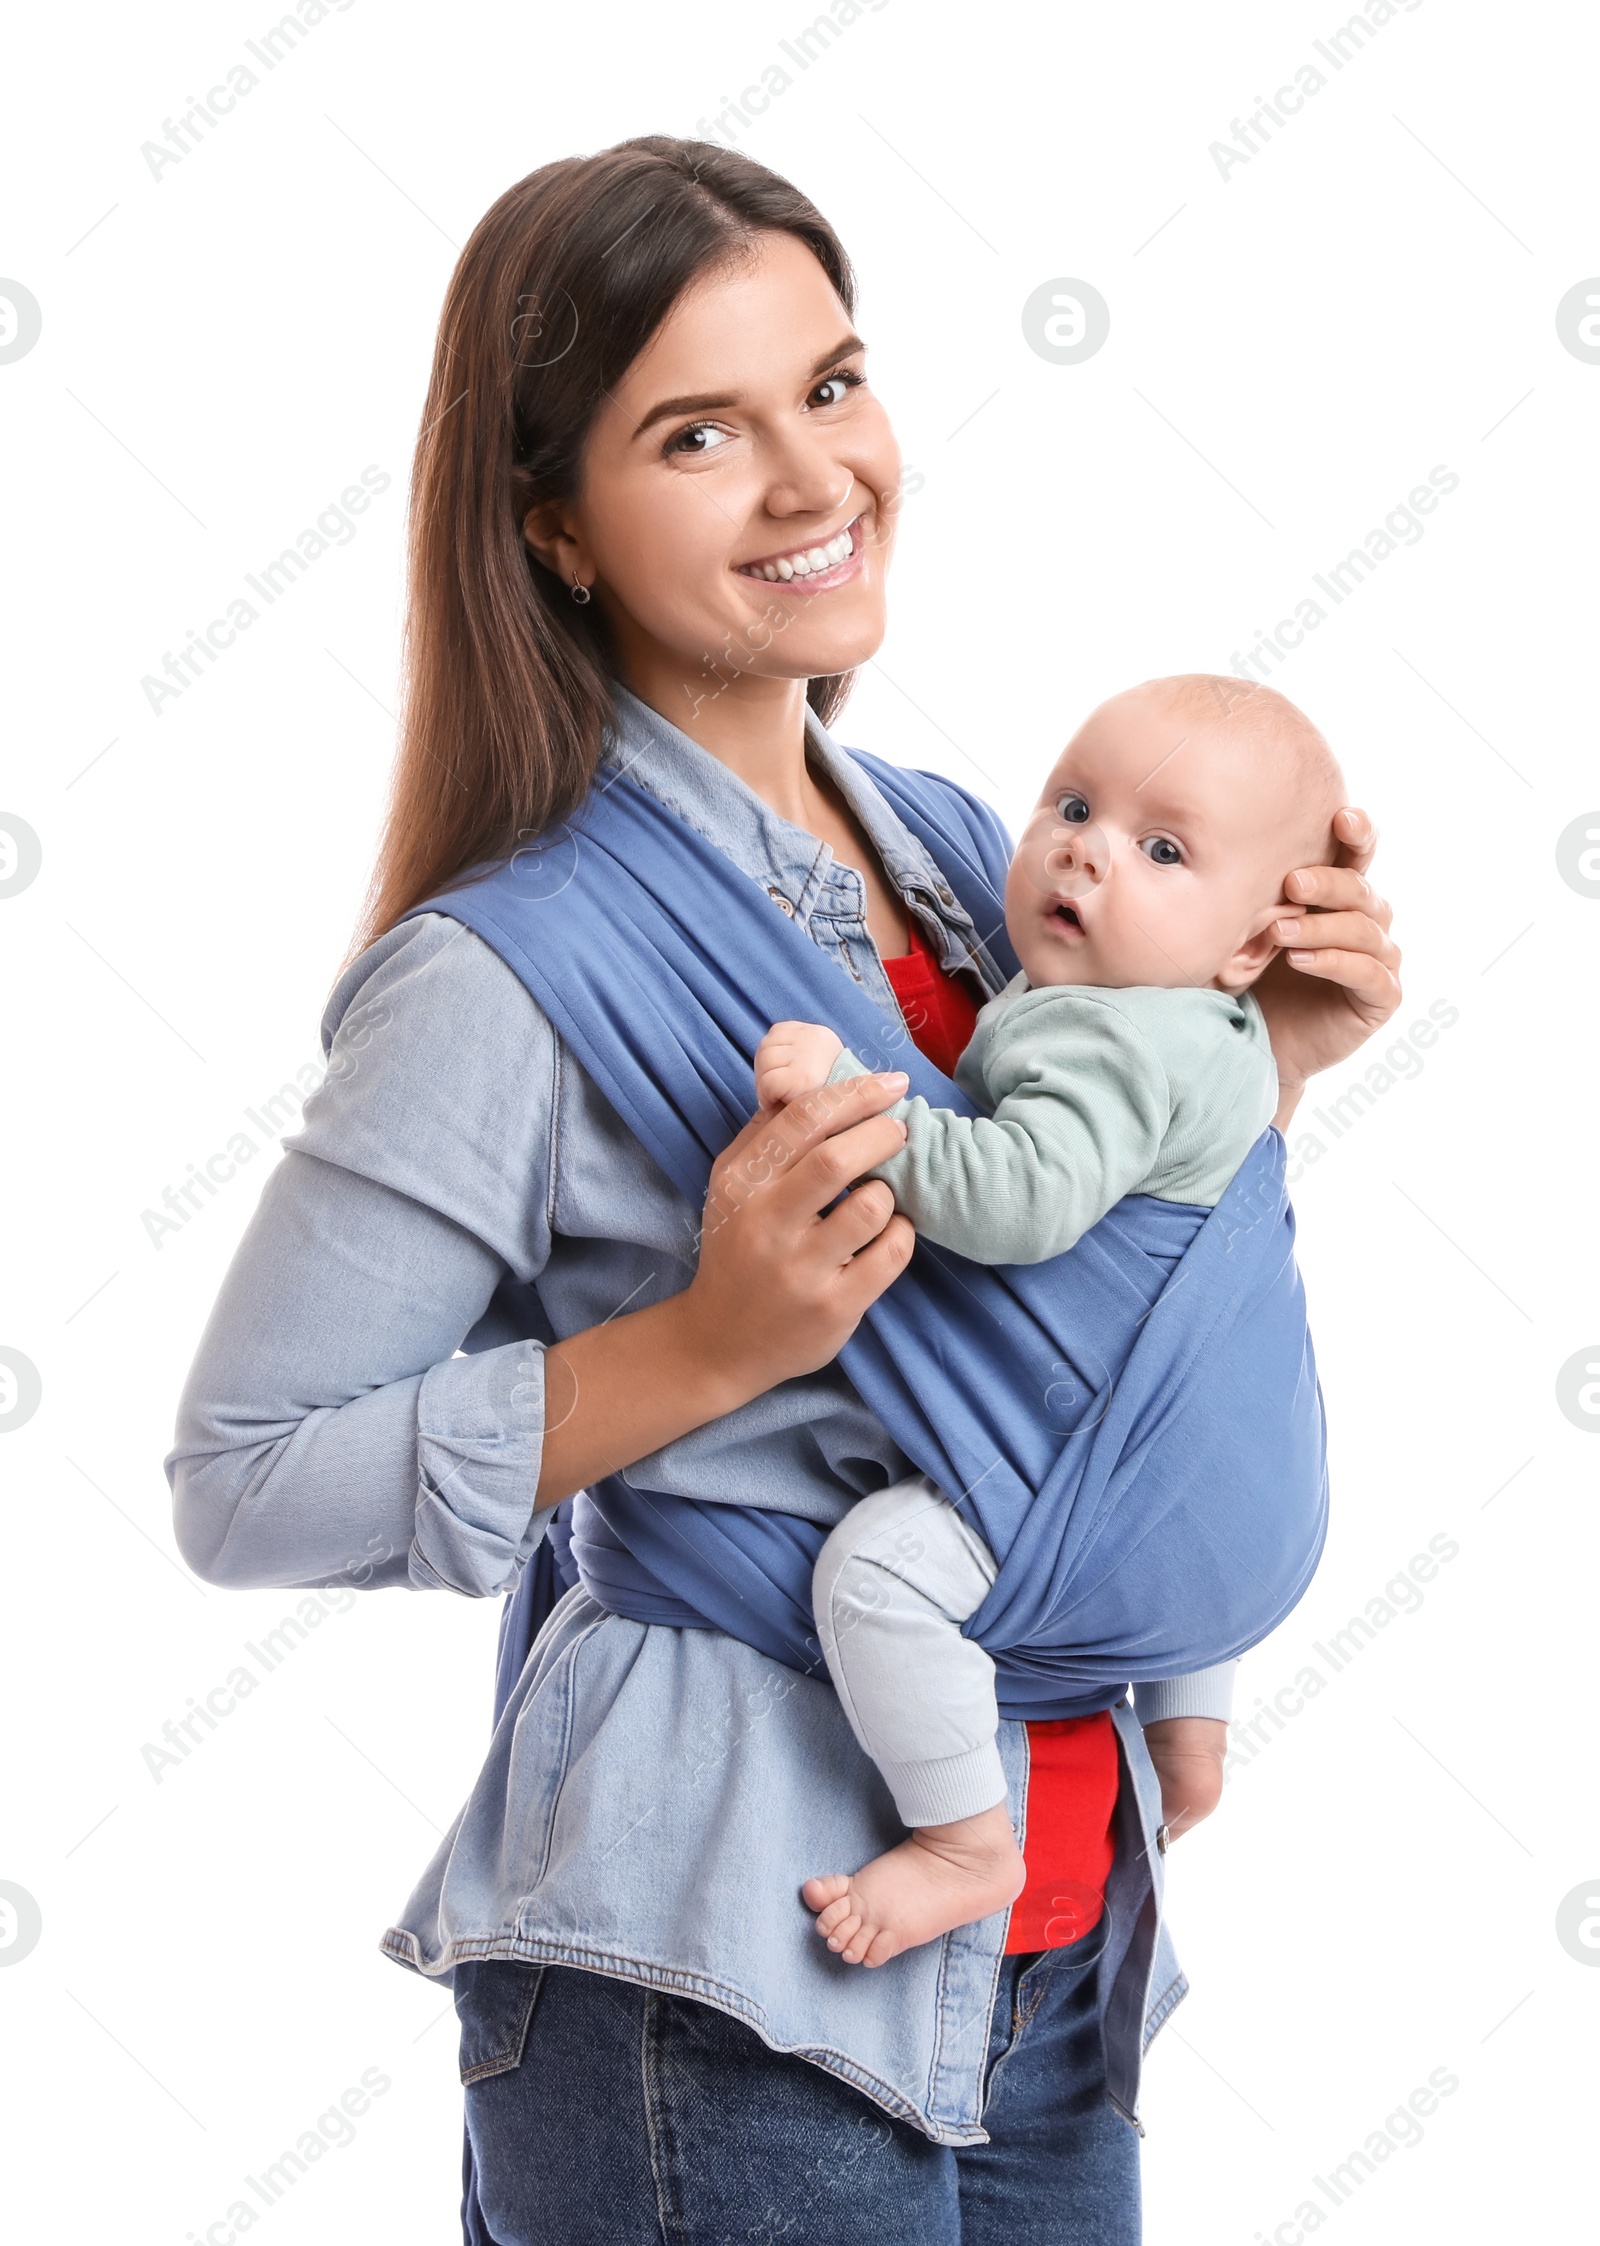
pixel 943 1876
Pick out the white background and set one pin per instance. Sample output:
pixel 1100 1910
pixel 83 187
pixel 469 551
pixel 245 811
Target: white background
pixel 1292 349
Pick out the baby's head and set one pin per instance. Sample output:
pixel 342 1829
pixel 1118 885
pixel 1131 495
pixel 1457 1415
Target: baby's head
pixel 1162 839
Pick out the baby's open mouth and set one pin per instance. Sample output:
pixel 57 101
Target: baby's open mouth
pixel 822 564
pixel 1065 916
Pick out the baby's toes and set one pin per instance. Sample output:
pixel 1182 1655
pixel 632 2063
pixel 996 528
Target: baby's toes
pixel 839 1921
pixel 883 1946
pixel 830 1887
pixel 859 1942
pixel 846 1936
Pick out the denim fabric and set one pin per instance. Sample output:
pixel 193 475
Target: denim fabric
pixel 604 2115
pixel 650 1801
pixel 652 1796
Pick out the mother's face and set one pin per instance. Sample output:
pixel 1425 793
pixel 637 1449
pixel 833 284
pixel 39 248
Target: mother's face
pixel 736 510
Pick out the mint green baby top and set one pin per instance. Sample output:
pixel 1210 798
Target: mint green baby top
pixel 1094 1094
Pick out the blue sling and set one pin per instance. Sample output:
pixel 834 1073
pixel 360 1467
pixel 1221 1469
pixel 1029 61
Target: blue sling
pixel 1135 1427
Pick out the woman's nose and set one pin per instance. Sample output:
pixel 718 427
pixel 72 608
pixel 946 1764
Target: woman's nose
pixel 808 479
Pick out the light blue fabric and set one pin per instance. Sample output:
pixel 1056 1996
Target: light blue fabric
pixel 651 1797
pixel 1135 1426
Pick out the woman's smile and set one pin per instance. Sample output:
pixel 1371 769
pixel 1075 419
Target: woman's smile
pixel 816 567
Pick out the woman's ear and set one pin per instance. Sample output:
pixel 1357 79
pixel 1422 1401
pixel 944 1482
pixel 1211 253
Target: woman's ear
pixel 1250 959
pixel 553 539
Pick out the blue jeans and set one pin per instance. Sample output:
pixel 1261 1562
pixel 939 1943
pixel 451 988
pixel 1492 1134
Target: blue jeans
pixel 600 2113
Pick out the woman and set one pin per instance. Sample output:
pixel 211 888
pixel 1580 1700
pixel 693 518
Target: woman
pixel 653 508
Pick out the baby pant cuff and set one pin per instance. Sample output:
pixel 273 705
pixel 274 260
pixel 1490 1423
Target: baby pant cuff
pixel 936 1793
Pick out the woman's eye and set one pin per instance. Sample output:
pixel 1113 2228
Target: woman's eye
pixel 1072 809
pixel 698 439
pixel 1162 850
pixel 833 389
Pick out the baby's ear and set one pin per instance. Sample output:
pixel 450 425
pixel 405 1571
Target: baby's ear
pixel 1251 958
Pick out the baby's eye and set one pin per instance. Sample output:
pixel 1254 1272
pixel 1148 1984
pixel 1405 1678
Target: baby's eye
pixel 1072 809
pixel 1161 850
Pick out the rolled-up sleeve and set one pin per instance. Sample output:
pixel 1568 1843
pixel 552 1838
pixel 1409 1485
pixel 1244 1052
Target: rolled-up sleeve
pixel 480 1431
pixel 328 1426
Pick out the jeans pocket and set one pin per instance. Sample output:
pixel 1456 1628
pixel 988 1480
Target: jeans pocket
pixel 494 1999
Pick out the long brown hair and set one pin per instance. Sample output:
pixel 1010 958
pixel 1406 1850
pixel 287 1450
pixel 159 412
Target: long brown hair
pixel 507 683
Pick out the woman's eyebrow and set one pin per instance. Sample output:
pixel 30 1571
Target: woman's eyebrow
pixel 670 406
pixel 845 350
pixel 714 403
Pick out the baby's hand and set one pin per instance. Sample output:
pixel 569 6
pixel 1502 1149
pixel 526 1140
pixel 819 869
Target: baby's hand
pixel 1188 1753
pixel 792 1059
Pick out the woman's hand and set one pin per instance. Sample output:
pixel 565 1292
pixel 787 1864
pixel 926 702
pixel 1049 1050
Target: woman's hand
pixel 786 1271
pixel 1338 977
pixel 782 1285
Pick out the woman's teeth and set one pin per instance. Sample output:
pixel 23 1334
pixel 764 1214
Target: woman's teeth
pixel 808 561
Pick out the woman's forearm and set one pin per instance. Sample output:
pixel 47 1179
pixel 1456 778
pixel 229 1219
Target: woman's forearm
pixel 616 1392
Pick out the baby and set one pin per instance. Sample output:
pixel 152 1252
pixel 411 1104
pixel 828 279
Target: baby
pixel 1127 1057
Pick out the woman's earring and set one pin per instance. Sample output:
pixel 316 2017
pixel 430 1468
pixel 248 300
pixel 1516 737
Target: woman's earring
pixel 581 593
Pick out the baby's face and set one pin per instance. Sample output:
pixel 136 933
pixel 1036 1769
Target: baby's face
pixel 1156 854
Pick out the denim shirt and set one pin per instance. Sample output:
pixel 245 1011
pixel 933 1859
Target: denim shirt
pixel 651 1797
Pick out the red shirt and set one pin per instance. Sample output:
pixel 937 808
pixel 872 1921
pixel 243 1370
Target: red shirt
pixel 1073 1769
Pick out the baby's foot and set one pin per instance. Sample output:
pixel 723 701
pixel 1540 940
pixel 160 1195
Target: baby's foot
pixel 943 1876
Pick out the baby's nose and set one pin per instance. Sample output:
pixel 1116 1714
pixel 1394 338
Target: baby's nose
pixel 1078 858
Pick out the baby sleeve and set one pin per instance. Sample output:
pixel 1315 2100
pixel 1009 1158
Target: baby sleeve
pixel 1081 1104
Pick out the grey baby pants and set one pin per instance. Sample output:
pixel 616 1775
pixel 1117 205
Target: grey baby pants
pixel 892 1587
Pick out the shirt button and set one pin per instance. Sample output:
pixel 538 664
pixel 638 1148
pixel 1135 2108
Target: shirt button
pixel 946 896
pixel 780 900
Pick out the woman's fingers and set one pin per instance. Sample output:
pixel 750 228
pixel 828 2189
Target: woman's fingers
pixel 860 1217
pixel 1356 836
pixel 832 1107
pixel 770 1150
pixel 826 1171
pixel 1336 931
pixel 1371 984
pixel 1338 889
pixel 1338 977
pixel 832 1110
pixel 881 1261
pixel 779 1286
pixel 1352 947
